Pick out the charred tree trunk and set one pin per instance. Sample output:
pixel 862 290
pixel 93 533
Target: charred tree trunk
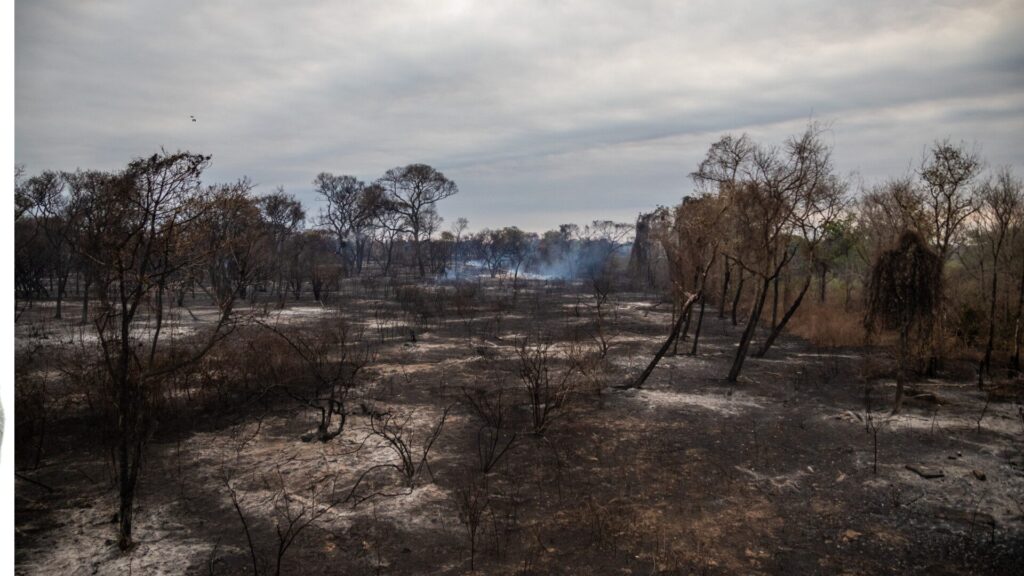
pixel 785 320
pixel 418 249
pixel 725 290
pixel 823 279
pixel 700 322
pixel 986 363
pixel 62 283
pixel 1018 332
pixel 775 302
pixel 85 300
pixel 901 367
pixel 935 359
pixel 686 315
pixel 159 320
pixel 672 337
pixel 748 332
pixel 360 253
pixel 129 449
pixel 736 298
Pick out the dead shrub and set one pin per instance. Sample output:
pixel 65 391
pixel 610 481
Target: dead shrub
pixel 466 301
pixel 399 439
pixel 548 385
pixel 422 303
pixel 495 437
pixel 332 355
pixel 293 512
pixel 473 500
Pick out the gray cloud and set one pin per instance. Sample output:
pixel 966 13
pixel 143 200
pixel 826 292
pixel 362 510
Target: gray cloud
pixel 542 112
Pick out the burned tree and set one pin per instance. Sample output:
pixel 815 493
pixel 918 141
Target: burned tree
pixel 147 217
pixel 495 437
pixel 815 219
pixel 283 216
pixel 518 246
pixel 56 222
pixel 386 228
pixel 232 234
pixel 691 246
pixel 904 294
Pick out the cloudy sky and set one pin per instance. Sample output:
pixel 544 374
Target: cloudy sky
pixel 543 112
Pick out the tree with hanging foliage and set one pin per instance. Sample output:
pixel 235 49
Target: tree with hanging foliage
pixel 904 293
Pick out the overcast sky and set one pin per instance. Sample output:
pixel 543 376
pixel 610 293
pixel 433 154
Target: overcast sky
pixel 542 112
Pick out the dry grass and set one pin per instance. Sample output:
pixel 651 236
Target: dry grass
pixel 828 326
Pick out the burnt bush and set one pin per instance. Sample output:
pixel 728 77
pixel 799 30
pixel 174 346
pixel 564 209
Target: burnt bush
pixel 331 356
pixel 549 379
pixel 497 431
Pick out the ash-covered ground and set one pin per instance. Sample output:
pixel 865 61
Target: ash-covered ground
pixel 796 469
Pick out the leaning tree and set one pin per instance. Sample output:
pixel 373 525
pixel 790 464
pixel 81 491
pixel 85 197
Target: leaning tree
pixel 691 245
pixel 904 296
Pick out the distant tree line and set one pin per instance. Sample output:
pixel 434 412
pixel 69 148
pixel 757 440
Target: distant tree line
pixel 388 227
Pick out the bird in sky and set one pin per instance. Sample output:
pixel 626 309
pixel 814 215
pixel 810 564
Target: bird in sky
pixel 192 117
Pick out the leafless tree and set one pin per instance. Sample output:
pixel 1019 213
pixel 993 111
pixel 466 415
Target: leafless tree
pixel 387 227
pixel 815 216
pixel 396 436
pixel 459 252
pixel 57 219
pixel 233 236
pixel 692 246
pixel 488 247
pixel 283 217
pixel 947 174
pixel 294 512
pixel 473 500
pixel 1002 214
pixel 148 214
pixel 518 246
